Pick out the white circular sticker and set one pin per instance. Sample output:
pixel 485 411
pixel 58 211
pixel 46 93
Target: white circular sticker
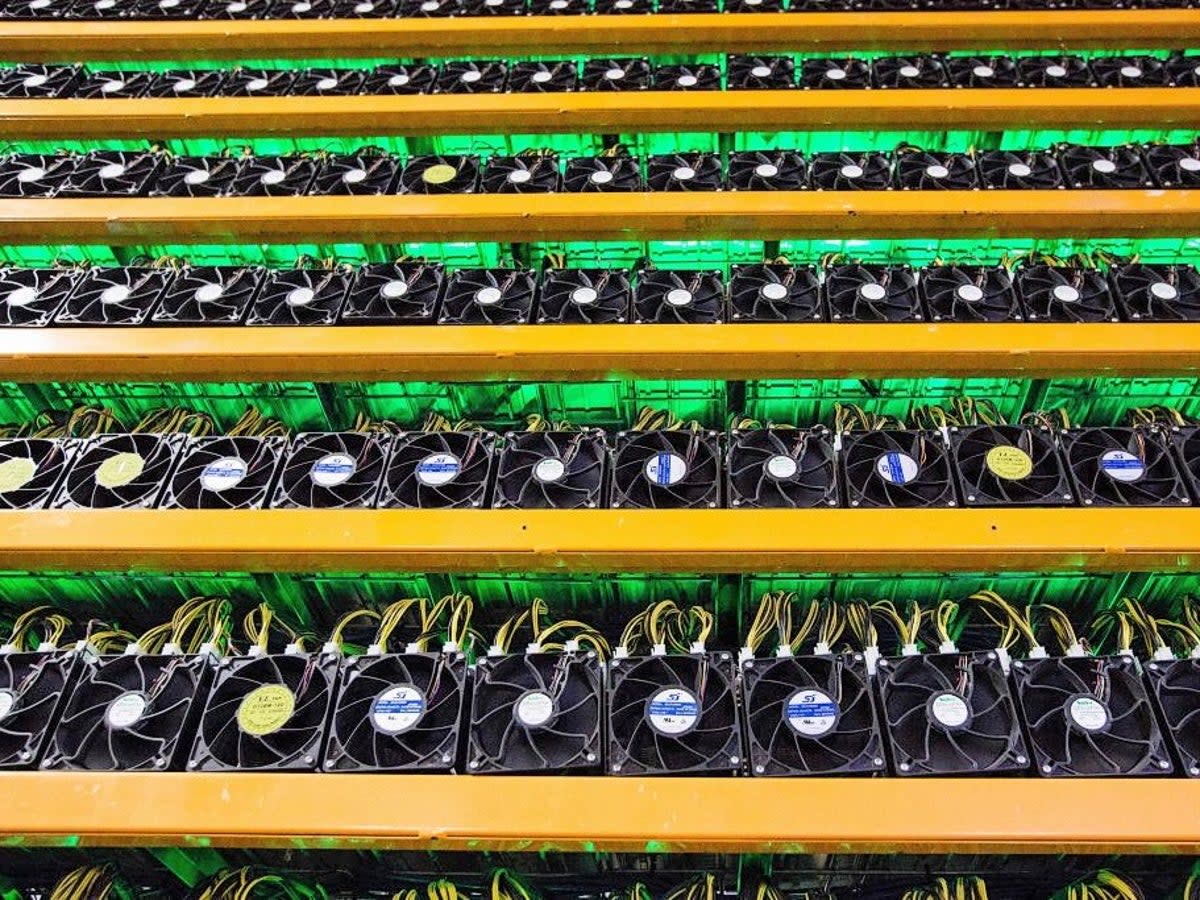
pixel 679 297
pixel 969 293
pixel 126 710
pixel 22 296
pixel 429 6
pixel 398 80
pixel 983 71
pixel 470 76
pixel 197 176
pixel 333 469
pixel 541 77
pixel 222 474
pixel 1122 466
pixel 535 709
pixel 1088 713
pixel 1056 71
pixel 811 713
pixel 398 709
pixel 488 296
pixel 686 81
pixel 112 86
pixel 302 7
pixel 673 711
pixel 365 7
pixel 760 71
pixel 35 80
pixel 236 6
pixel 773 291
pixel 850 170
pixel 39 4
pixel 301 296
pixel 1190 164
pixel 873 292
pixel 1164 291
pixel 438 469
pixel 611 74
pixel 549 470
pixel 836 74
pixel 519 176
pixel 394 288
pixel 1131 71
pixel 766 170
pixel 117 293
pixel 897 468
pixel 684 173
pixel 601 177
pixel 1104 166
pixel 112 170
pixel 183 84
pixel 354 176
pixel 273 176
pixel 327 84
pixel 1064 293
pixel 665 468
pixel 1019 170
pixel 937 171
pixel 7 701
pixel 256 84
pixel 910 71
pixel 33 173
pixel 950 710
pixel 782 467
pixel 584 296
pixel 209 292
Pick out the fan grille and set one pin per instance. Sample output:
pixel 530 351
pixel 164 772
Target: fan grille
pixel 332 470
pixel 776 468
pixel 1009 465
pixel 897 469
pixel 32 689
pixel 123 471
pixel 552 470
pixel 225 473
pixel 1122 467
pixel 439 470
pixel 30 471
pixel 1176 691
pixel 666 470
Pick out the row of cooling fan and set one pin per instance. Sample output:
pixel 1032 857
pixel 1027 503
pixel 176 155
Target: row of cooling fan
pixel 355 9
pixel 415 293
pixel 983 465
pixel 127 173
pixel 741 72
pixel 702 713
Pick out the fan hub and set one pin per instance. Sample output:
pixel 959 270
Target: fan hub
pixel 126 710
pixel 117 293
pixel 1164 291
pixel 949 711
pixel 761 71
pixel 438 469
pixel 301 296
pixel 223 474
pixel 394 289
pixel 665 468
pixel 969 293
pixel 265 709
pixel 534 709
pixel 679 297
pixel 601 177
pixel 354 176
pixel 613 74
pixel 209 292
pixel 119 469
pixel 549 470
pixel 1190 164
pixel 1131 72
pixel 112 170
pixel 16 472
pixel 1104 166
pixel 982 71
pixel 398 80
pixel 1121 465
pixel 7 701
pixel 781 467
pixel 773 290
pixel 39 4
pixel 584 296
pixel 272 176
pixel 836 74
pixel 519 176
pixel 470 76
pixel 488 296
pixel 623 4
pixel 895 467
pixel 35 80
pixel 910 71
pixel 183 84
pixel 332 469
pixel 397 709
pixel 766 170
pixel 684 173
pixel 364 7
pixel 673 711
pixel 1056 71
pixel 196 176
pixel 236 6
pixel 256 84
pixel 872 292
pixel 1019 170
pixel 1064 293
pixel 541 76
pixel 33 173
pixel 113 85
pixel 811 714
pixel 686 81
pixel 327 84
pixel 937 170
pixel 302 7
pixel 1087 714
pixel 22 296
pixel 852 170
pixel 430 6
pixel 1008 462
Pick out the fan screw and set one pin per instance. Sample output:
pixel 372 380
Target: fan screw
pixel 1163 764
pixel 970 498
pixel 616 767
pixel 474 764
pixel 591 757
pixel 1195 770
pixel 724 656
pixel 748 664
pixel 1047 768
pixel 1066 496
pixel 1087 502
pixel 735 502
pixel 446 758
pixel 1153 666
pixel 883 663
pixel 192 764
pixel 904 767
pixel 309 760
pixel 159 762
pixel 854 503
pixel 1021 760
pixel 1018 664
pixel 760 769
pixel 712 504
pixel 591 654
pixel 734 760
pixel 878 760
pixel 24 754
pixel 991 655
pixel 858 657
pixel 329 763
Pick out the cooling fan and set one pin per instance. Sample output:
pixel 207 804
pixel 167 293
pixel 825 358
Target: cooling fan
pixel 781 468
pixel 908 72
pixel 238 9
pixel 1157 293
pixel 774 292
pixel 1183 71
pixel 259 82
pixel 896 469
pixel 471 77
pixel 109 173
pixel 585 296
pixel 1106 168
pixel 871 293
pixel 687 6
pixel 950 714
pixel 34 174
pixel 558 7
pixel 834 74
pixel 1024 170
pixel 981 71
pixel 544 77
pixel 427 9
pixel 31 469
pixel 400 79
pixel 771 170
pixel 521 174
pixel 624 7
pixel 225 473
pixel 749 6
pixel 970 294
pixel 112 85
pixel 1173 165
pixel 552 469
pixel 130 712
pixel 1175 688
pixel 322 82
pixel 1187 443
pixel 666 470
pixel 602 173
pixel 1009 465
pixel 209 295
pixel 1065 294
pixel 489 297
pixel 187 83
pixel 332 470
pixel 493 7
pixel 32 689
pixel 300 297
pixel 196 176
pixel 1089 716
pixel 439 470
pixel 362 174
pixel 273 176
pixel 684 172
pixel 678 296
pixel 265 712
pixel 919 170
pixel 1129 71
pixel 301 9
pixel 1122 467
pixel 673 714
pixel 850 172
pixel 31 297
pixel 399 292
pixel 31 81
pixel 760 73
pixel 536 712
pixel 169 9
pixel 1054 71
pixel 440 175
pixel 397 712
pixel 616 74
pixel 119 471
pixel 687 77
pixel 120 296
pixel 37 9
pixel 810 715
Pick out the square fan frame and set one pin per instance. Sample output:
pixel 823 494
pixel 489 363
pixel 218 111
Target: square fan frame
pixel 1179 438
pixel 384 499
pixel 1156 672
pixel 1063 494
pixel 46 318
pixel 619 498
pixel 1179 495
pixel 832 496
pixel 351 314
pixel 68 447
pixel 279 498
pixel 67 661
pixel 596 436
pixel 160 315
pixel 277 444
pixel 854 498
pixel 79 448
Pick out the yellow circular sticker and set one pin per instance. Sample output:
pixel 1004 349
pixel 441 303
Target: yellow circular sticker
pixel 16 473
pixel 266 709
pixel 119 469
pixel 1012 463
pixel 438 174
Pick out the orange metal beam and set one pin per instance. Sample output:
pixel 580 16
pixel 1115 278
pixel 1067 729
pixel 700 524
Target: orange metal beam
pixel 444 812
pixel 821 540
pixel 975 109
pixel 42 41
pixel 598 352
pixel 565 217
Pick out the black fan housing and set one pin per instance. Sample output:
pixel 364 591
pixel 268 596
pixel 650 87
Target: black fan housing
pixel 616 74
pixel 218 295
pixel 34 174
pixel 355 174
pixel 33 688
pixel 781 468
pixel 440 175
pixel 109 173
pixel 1173 165
pixel 956 293
pixel 31 469
pixel 771 170
pixel 324 82
pixel 1123 467
pixel 684 172
pixel 119 471
pixel 225 472
pixel 774 292
pixel 595 174
pixel 1129 71
pixel 896 469
pixel 1157 293
pixel 1065 294
pixel 543 76
pixel 532 174
pixel 38 81
pixel 760 73
pixel 471 77
pixel 981 71
pixel 1175 689
pixel 585 296
pixel 395 293
pixel 489 297
pixel 115 85
pixel 1054 71
pixel 332 470
pixel 1009 465
pixel 120 296
pixel 872 293
pixel 687 77
pixel 920 170
pixel 439 470
pixel 679 296
pixel 850 172
pixel 300 297
pixel 187 83
pixel 666 470
pixel 396 78
pixel 834 74
pixel 273 176
pixel 1025 170
pixel 1105 168
pixel 908 72
pixel 196 176
pixel 244 82
pixel 552 469
pixel 31 297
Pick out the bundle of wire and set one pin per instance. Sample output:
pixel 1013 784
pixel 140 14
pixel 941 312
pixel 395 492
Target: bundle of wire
pixel 663 625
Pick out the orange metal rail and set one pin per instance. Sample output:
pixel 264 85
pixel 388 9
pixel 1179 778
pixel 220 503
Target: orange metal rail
pixel 623 814
pixel 68 41
pixel 565 217
pixel 821 540
pixel 650 111
pixel 598 352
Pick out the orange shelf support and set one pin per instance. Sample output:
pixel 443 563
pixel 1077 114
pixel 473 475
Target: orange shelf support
pixel 444 812
pixel 702 33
